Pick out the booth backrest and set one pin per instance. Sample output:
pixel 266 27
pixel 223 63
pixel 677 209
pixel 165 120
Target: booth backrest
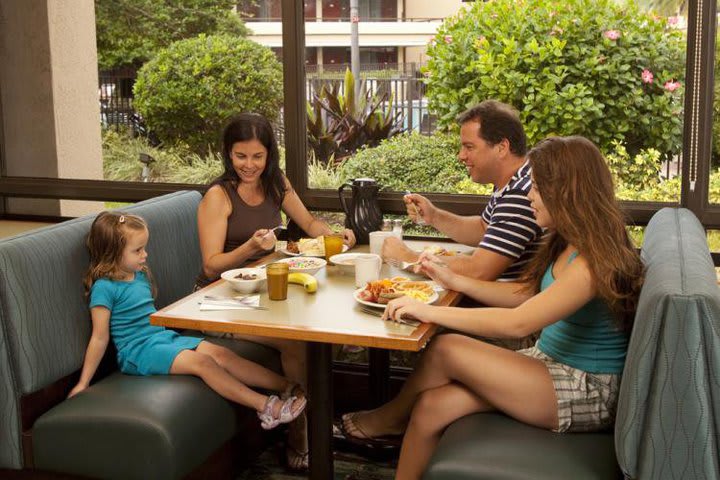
pixel 44 320
pixel 668 422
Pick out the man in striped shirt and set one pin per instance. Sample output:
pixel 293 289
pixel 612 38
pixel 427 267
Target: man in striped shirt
pixel 493 148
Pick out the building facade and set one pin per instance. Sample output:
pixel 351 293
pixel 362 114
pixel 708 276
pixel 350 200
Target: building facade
pixel 390 31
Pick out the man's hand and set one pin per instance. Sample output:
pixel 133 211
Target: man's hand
pixel 394 249
pixel 420 208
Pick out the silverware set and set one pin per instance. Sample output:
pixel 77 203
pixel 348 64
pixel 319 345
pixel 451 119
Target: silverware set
pixel 244 301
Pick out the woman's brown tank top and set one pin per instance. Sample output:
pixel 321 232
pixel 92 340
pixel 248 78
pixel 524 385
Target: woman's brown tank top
pixel 243 222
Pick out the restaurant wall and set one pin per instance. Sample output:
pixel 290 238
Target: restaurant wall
pixel 48 82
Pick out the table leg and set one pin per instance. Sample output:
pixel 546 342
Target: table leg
pixel 320 410
pixel 379 375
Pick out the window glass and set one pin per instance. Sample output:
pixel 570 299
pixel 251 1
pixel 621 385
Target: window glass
pixel 612 74
pixel 161 117
pixel 714 183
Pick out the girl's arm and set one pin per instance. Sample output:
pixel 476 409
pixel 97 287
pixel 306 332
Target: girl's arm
pixel 495 294
pixel 570 291
pixel 213 213
pixel 295 209
pixel 96 348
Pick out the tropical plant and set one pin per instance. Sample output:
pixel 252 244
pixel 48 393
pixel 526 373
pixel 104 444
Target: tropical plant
pixel 339 122
pixel 188 91
pixel 586 67
pixel 130 32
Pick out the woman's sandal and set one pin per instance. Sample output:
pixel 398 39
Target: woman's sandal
pixel 269 421
pixel 379 442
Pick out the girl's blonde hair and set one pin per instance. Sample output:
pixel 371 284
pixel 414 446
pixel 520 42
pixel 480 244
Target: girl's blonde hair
pixel 577 188
pixel 106 241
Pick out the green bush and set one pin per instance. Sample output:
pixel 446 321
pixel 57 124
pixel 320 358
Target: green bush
pixel 641 172
pixel 174 164
pixel 187 92
pixel 121 158
pixel 410 162
pixel 570 67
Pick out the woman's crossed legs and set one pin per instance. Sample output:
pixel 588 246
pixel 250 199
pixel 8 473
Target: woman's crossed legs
pixel 457 376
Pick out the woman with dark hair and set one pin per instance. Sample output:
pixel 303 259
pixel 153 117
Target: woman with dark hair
pixel 235 221
pixel 581 289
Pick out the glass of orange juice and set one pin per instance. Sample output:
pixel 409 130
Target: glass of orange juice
pixel 277 280
pixel 333 245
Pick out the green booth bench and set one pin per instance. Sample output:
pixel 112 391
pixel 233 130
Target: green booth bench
pixel 668 418
pixel 122 426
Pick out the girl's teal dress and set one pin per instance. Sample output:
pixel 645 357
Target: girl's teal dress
pixel 142 349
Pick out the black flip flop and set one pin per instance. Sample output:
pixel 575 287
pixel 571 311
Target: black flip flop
pixel 381 442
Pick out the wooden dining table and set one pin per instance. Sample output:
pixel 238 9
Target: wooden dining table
pixel 332 315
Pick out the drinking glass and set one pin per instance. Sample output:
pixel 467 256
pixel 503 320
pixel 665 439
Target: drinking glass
pixel 333 245
pixel 277 280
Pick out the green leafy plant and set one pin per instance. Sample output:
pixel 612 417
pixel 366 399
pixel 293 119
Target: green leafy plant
pixel 130 32
pixel 339 123
pixel 597 68
pixel 188 91
pixel 174 164
pixel 410 161
pixel 642 171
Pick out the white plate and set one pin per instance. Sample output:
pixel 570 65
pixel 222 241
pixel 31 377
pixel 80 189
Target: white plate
pixel 291 254
pixel 430 300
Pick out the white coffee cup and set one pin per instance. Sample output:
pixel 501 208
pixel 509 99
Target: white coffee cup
pixel 377 239
pixel 367 269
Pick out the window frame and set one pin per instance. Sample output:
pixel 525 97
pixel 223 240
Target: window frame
pixel 697 140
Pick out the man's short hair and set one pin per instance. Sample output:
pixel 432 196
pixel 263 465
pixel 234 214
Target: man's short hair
pixel 497 122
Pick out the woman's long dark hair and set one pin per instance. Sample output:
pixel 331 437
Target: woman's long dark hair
pixel 246 127
pixel 577 189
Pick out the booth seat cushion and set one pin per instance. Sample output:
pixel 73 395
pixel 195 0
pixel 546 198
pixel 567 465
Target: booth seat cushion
pixel 494 446
pixel 164 425
pixel 159 423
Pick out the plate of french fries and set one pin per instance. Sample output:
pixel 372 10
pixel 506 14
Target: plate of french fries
pixel 378 293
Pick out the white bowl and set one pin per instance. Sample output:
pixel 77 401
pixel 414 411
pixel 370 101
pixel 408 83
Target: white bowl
pixel 310 265
pixel 346 261
pixel 245 286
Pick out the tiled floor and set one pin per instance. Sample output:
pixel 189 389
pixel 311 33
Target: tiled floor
pixel 8 228
pixel 348 466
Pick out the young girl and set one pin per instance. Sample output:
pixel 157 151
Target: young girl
pixel 581 289
pixel 121 294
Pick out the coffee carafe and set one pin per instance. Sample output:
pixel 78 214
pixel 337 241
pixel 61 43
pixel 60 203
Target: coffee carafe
pixel 363 214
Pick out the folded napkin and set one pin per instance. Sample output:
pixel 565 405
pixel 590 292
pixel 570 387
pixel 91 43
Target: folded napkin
pixel 230 303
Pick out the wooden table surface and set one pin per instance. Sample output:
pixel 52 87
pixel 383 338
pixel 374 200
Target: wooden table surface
pixel 331 315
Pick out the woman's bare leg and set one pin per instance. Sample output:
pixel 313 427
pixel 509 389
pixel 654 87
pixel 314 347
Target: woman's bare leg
pixel 433 412
pixel 503 378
